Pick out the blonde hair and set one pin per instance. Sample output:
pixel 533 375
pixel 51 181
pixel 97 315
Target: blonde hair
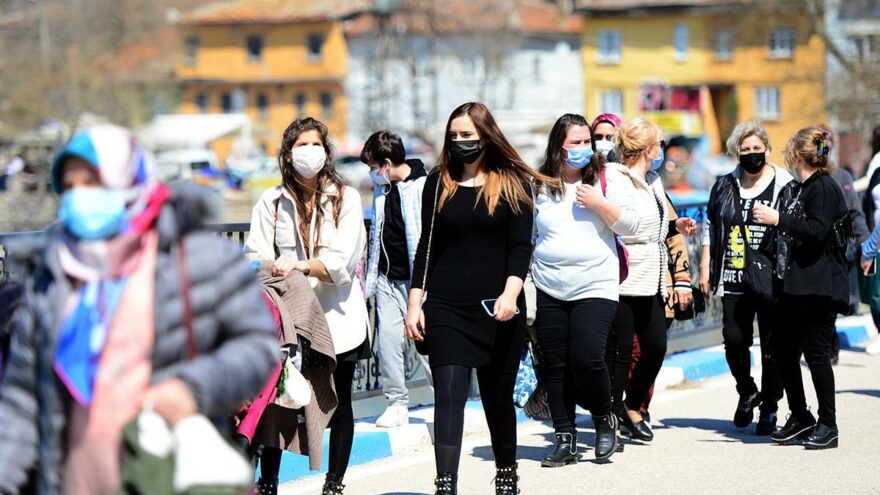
pixel 813 146
pixel 744 130
pixel 636 137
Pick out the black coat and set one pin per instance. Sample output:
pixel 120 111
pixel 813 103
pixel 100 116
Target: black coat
pixel 815 266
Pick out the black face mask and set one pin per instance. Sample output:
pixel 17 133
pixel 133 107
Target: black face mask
pixel 465 151
pixel 753 162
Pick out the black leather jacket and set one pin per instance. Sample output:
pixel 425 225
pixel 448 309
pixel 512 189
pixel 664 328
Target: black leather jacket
pixel 720 211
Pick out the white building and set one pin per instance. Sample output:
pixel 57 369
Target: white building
pixel 408 77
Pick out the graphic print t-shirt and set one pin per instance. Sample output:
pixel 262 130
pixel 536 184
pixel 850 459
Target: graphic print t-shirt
pixel 734 259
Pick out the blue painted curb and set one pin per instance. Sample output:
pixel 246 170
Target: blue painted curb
pixel 700 363
pixel 852 335
pixel 368 446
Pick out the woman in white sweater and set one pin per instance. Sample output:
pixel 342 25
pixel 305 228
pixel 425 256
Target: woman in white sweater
pixel 576 271
pixel 313 224
pixel 642 294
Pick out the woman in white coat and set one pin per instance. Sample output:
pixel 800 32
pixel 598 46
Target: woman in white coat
pixel 313 224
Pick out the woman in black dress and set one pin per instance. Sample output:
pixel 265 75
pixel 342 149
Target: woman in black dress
pixel 471 260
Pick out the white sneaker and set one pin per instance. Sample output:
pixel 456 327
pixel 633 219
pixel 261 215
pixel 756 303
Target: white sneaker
pixel 393 417
pixel 874 346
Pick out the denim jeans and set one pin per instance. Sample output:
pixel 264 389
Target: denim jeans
pixel 391 302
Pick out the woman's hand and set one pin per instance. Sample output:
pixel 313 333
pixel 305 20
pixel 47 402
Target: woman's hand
pixel 588 196
pixel 866 266
pixel 683 298
pixel 704 282
pixel 302 266
pixel 765 215
pixel 686 226
pixel 172 400
pixel 283 266
pixel 505 307
pixel 414 325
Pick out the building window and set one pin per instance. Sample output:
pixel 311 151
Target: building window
pixel 315 43
pixel 263 106
pixel 326 106
pixel 781 43
pixel 866 49
pixel 767 103
pixel 609 47
pixel 722 45
pixel 611 101
pixel 254 46
pixel 190 50
pixel 202 102
pixel 226 102
pixel 300 102
pixel 239 101
pixel 681 41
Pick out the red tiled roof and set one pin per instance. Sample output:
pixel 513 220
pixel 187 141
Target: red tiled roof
pixel 273 11
pixel 622 5
pixel 463 16
pixel 151 59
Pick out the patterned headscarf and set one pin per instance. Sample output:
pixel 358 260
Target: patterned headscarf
pixel 103 266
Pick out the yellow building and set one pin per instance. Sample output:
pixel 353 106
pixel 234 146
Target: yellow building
pixel 700 66
pixel 273 60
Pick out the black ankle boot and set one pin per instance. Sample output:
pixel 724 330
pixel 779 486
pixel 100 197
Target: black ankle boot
pixel 565 451
pixel 606 436
pixel 506 480
pixel 446 483
pixel 267 486
pixel 823 437
pixel 332 485
pixel 797 427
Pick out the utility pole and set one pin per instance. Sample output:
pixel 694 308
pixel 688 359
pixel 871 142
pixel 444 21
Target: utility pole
pixel 45 42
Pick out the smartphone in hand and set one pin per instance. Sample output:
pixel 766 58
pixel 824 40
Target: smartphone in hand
pixel 489 307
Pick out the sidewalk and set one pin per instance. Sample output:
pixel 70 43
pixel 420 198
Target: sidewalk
pixel 372 443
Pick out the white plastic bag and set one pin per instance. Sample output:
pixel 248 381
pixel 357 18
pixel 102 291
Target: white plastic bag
pixel 294 391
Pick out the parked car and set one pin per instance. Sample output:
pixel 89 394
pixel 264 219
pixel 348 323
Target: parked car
pixel 200 165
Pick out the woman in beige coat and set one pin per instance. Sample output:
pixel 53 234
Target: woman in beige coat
pixel 313 224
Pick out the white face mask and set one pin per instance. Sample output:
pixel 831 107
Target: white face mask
pixel 308 160
pixel 604 146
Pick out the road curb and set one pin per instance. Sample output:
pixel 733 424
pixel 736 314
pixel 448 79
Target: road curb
pixel 372 443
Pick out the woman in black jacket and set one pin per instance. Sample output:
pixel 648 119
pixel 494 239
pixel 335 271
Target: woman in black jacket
pixel 811 221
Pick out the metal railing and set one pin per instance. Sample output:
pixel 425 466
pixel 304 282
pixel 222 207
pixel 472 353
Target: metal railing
pixel 700 332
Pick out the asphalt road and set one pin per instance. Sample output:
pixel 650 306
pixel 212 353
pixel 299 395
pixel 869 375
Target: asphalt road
pixel 696 450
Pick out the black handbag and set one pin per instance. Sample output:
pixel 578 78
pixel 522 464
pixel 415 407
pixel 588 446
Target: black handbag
pixel 697 306
pixel 758 270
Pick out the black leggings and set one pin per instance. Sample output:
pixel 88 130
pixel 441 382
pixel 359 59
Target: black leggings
pixel 807 329
pixel 573 335
pixel 341 428
pixel 645 317
pixel 451 386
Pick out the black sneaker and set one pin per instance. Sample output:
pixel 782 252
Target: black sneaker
pixel 745 410
pixel 795 428
pixel 766 424
pixel 823 437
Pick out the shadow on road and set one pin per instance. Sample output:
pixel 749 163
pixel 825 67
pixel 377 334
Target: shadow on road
pixel 724 427
pixel 869 393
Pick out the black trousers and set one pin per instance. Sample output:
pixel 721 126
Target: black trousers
pixel 645 317
pixel 739 317
pixel 573 336
pixel 807 329
pixel 451 387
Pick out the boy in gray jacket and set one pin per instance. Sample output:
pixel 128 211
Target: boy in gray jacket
pixel 394 234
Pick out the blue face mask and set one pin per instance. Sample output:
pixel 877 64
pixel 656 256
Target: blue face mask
pixel 658 162
pixel 379 180
pixel 92 213
pixel 578 158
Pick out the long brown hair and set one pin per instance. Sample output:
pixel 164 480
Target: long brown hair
pixel 292 181
pixel 505 170
pixel 554 164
